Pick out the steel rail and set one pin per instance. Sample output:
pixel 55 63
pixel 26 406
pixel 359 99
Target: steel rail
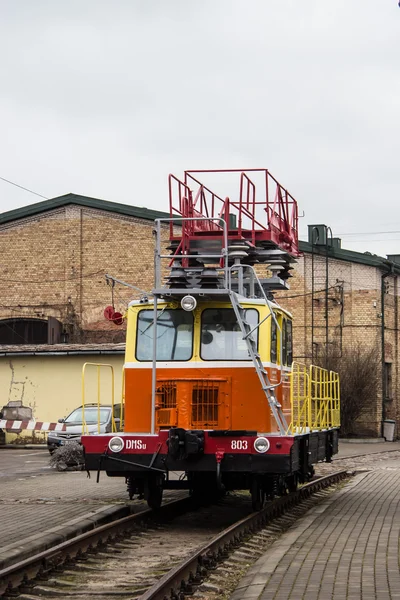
pixel 38 565
pixel 181 580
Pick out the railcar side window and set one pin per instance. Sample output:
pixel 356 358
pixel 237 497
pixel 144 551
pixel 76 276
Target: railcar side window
pixel 289 342
pixel 274 339
pixel 221 337
pixel 174 335
pixel 284 346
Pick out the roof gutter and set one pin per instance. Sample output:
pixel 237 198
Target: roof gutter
pixel 65 353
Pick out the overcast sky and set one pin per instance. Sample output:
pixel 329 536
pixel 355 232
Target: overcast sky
pixel 105 98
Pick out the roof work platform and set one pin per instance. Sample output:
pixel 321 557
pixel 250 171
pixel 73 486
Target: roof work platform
pixel 257 223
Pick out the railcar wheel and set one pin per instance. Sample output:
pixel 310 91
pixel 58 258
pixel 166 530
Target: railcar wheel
pixel 292 482
pixel 155 498
pixel 257 495
pixel 130 487
pixel 154 493
pixel 134 486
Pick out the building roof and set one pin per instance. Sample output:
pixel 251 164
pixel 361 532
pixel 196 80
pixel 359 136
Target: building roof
pixel 364 258
pixel 141 212
pixel 115 207
pixel 61 349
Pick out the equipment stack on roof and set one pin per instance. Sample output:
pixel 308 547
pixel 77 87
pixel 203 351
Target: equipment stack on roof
pixel 258 227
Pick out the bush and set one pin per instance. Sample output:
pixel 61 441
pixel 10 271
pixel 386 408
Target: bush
pixel 358 371
pixel 68 458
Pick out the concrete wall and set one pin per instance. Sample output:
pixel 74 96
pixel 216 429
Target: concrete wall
pixel 50 387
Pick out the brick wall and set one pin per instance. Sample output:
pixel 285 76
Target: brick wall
pixel 53 265
pixel 348 314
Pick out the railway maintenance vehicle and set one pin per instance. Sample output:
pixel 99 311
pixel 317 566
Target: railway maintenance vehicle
pixel 210 387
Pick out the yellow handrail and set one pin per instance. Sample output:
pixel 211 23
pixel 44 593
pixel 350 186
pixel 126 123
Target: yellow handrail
pixel 315 398
pixel 98 366
pixel 335 394
pixel 299 394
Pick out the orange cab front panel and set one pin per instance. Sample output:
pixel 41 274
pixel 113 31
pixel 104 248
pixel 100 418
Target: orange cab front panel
pixel 196 397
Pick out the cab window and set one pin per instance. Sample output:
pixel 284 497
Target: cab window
pixel 174 335
pixel 284 340
pixel 289 342
pixel 274 340
pixel 221 337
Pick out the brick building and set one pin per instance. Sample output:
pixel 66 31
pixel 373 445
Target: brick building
pixel 55 255
pixel 344 301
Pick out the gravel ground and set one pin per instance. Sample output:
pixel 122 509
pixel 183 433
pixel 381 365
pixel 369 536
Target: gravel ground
pixel 125 569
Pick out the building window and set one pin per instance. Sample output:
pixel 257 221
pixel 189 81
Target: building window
pixel 388 381
pixel 29 331
pixel 23 331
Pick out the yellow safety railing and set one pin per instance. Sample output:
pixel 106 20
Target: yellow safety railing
pixel 315 398
pixel 299 398
pixel 319 396
pixel 98 367
pixel 335 399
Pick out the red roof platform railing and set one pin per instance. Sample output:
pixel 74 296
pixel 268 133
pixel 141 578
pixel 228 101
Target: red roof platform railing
pixel 258 210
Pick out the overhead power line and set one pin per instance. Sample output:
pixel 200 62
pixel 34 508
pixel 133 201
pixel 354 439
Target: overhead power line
pixel 43 281
pixel 370 232
pixel 373 241
pixel 336 285
pixel 23 188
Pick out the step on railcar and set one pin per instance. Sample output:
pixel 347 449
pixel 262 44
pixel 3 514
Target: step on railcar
pixel 212 398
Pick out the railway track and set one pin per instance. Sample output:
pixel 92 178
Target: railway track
pixel 159 556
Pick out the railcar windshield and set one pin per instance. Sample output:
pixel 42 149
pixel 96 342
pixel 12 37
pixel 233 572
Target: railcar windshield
pixel 221 337
pixel 174 335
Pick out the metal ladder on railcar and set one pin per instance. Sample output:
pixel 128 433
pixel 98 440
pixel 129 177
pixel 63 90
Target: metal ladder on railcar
pixel 247 331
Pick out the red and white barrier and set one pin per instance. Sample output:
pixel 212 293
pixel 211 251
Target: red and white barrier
pixel 31 425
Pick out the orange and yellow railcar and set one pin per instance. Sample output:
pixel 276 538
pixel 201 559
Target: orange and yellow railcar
pixel 210 389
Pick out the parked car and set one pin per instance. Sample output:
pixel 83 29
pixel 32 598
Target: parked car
pixel 73 423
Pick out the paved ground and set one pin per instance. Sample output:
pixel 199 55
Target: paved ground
pixel 347 548
pixel 42 510
pixel 359 448
pixel 40 507
pixel 23 463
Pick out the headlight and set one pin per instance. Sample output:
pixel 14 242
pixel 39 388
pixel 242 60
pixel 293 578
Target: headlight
pixel 261 445
pixel 188 303
pixel 116 444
